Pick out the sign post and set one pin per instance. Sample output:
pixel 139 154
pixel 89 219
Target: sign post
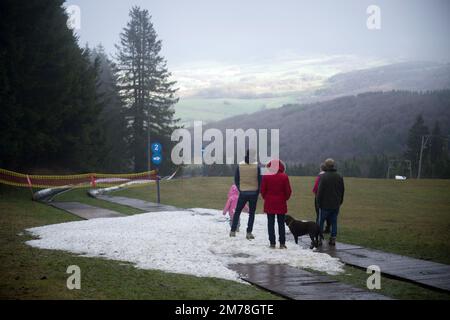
pixel 156 160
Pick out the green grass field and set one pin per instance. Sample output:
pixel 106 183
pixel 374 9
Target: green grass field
pixel 407 217
pixel 209 109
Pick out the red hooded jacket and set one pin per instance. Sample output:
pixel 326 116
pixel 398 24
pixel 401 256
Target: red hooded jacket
pixel 276 189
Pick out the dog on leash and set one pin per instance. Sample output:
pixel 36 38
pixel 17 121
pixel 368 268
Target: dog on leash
pixel 300 228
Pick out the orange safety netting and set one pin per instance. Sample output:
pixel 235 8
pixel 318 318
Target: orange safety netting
pixel 78 180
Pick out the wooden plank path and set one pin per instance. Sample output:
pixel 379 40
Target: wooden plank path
pixel 138 204
pixel 85 211
pixel 298 284
pixel 426 273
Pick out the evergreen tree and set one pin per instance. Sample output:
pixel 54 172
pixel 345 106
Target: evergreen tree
pixel 143 80
pixel 437 144
pixel 112 120
pixel 414 142
pixel 438 155
pixel 350 168
pixel 48 90
pixel 378 167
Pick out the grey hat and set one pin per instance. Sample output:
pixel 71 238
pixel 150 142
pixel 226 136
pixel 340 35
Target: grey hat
pixel 329 163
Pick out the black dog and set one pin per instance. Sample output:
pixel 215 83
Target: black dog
pixel 300 228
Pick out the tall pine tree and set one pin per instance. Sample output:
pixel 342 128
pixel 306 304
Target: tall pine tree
pixel 436 144
pixel 47 90
pixel 144 84
pixel 438 155
pixel 111 122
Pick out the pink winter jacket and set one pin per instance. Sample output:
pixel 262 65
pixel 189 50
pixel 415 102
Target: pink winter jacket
pixel 230 206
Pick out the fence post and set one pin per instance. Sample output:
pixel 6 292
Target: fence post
pixel 31 187
pixel 157 187
pixel 93 183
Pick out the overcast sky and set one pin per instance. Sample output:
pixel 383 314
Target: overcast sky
pixel 234 33
pixel 242 30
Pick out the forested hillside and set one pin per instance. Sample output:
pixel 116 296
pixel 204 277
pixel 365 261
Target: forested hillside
pixel 362 126
pixel 411 76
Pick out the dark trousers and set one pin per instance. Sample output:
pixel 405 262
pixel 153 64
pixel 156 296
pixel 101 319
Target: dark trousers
pixel 271 228
pixel 316 206
pixel 331 214
pixel 252 199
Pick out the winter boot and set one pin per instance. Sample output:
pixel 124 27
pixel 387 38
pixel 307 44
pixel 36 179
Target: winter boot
pixel 232 233
pixel 272 246
pixel 283 246
pixel 332 241
pixel 250 236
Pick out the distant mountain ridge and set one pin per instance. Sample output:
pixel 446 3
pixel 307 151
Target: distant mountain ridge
pixel 352 126
pixel 410 76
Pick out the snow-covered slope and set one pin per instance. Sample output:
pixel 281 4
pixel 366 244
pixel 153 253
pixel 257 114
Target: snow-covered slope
pixel 193 242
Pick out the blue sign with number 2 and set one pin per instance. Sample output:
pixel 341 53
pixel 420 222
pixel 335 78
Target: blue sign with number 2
pixel 156 153
pixel 156 148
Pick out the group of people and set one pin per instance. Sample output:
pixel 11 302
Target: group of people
pixel 275 190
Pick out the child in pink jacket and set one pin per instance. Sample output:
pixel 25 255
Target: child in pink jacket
pixel 230 206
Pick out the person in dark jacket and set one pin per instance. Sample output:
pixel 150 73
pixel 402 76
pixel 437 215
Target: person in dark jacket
pixel 247 179
pixel 316 206
pixel 330 196
pixel 276 191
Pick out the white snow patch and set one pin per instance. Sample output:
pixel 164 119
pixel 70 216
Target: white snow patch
pixel 194 242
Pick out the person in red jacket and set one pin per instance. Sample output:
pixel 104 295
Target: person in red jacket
pixel 276 191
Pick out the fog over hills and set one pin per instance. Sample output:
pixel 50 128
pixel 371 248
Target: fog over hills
pixel 279 88
pixel 414 76
pixel 346 127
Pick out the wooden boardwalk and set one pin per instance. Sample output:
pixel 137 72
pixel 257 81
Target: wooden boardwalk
pixel 298 284
pixel 85 211
pixel 138 204
pixel 425 273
